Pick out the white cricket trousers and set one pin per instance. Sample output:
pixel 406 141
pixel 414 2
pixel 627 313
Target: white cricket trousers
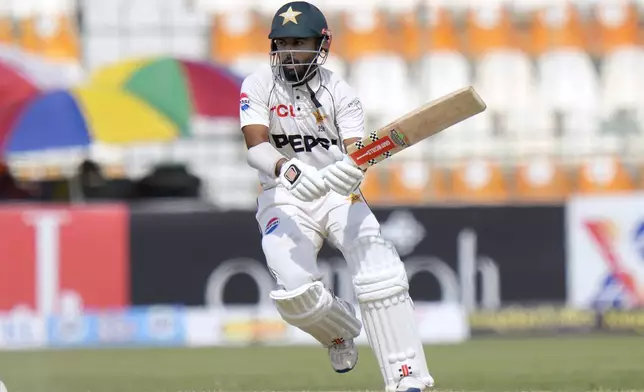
pixel 293 231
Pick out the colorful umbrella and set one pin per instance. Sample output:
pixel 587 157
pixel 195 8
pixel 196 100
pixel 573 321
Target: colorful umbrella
pixel 16 91
pixel 78 117
pixel 42 73
pixel 178 88
pixel 14 86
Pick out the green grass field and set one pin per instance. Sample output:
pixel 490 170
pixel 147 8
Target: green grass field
pixel 571 364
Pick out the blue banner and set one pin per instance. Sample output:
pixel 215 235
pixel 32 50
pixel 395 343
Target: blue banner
pixel 139 326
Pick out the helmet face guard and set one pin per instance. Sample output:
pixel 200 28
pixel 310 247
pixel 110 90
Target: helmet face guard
pixel 285 66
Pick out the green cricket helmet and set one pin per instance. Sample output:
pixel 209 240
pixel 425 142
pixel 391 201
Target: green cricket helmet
pixel 299 19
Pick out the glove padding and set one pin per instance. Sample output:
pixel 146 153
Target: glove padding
pixel 343 176
pixel 304 181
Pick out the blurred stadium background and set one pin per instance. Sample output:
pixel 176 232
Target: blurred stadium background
pixel 560 79
pixel 128 208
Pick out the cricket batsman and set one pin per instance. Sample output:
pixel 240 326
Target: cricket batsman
pixel 297 119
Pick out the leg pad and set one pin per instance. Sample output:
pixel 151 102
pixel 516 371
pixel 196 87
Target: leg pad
pixel 382 289
pixel 313 309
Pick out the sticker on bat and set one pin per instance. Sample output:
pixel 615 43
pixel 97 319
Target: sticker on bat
pixel 373 150
pixel 399 138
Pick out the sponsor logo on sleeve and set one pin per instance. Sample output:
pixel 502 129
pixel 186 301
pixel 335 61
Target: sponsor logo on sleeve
pixel 244 102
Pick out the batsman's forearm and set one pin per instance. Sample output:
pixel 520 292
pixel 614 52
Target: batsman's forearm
pixel 278 166
pixel 265 158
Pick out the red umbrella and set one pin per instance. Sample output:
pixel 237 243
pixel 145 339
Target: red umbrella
pixel 16 91
pixel 14 86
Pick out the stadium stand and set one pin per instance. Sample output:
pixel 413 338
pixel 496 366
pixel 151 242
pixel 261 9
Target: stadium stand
pixel 562 80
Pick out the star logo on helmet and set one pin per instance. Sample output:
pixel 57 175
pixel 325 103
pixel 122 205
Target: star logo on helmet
pixel 290 16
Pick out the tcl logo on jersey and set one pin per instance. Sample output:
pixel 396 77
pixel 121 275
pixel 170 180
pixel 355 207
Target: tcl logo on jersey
pixel 57 258
pixel 284 110
pixel 301 143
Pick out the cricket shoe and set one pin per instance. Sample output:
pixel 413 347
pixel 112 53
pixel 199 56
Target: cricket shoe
pixel 344 353
pixel 414 384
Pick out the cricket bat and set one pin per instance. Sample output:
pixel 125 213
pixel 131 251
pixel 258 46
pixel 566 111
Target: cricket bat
pixel 425 121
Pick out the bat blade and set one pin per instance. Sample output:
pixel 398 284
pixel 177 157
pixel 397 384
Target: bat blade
pixel 417 125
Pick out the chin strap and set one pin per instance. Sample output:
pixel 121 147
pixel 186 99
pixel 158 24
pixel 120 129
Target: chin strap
pixel 306 81
pixel 314 99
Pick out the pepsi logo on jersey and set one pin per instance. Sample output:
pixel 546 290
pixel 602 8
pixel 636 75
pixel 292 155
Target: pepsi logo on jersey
pixel 272 225
pixel 301 143
pixel 284 110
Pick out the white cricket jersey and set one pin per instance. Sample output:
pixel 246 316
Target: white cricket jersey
pixel 297 128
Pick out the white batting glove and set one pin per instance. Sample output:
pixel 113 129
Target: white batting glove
pixel 343 176
pixel 303 181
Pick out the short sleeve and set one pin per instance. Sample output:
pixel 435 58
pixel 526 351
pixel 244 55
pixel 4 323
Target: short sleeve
pixel 350 116
pixel 253 102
